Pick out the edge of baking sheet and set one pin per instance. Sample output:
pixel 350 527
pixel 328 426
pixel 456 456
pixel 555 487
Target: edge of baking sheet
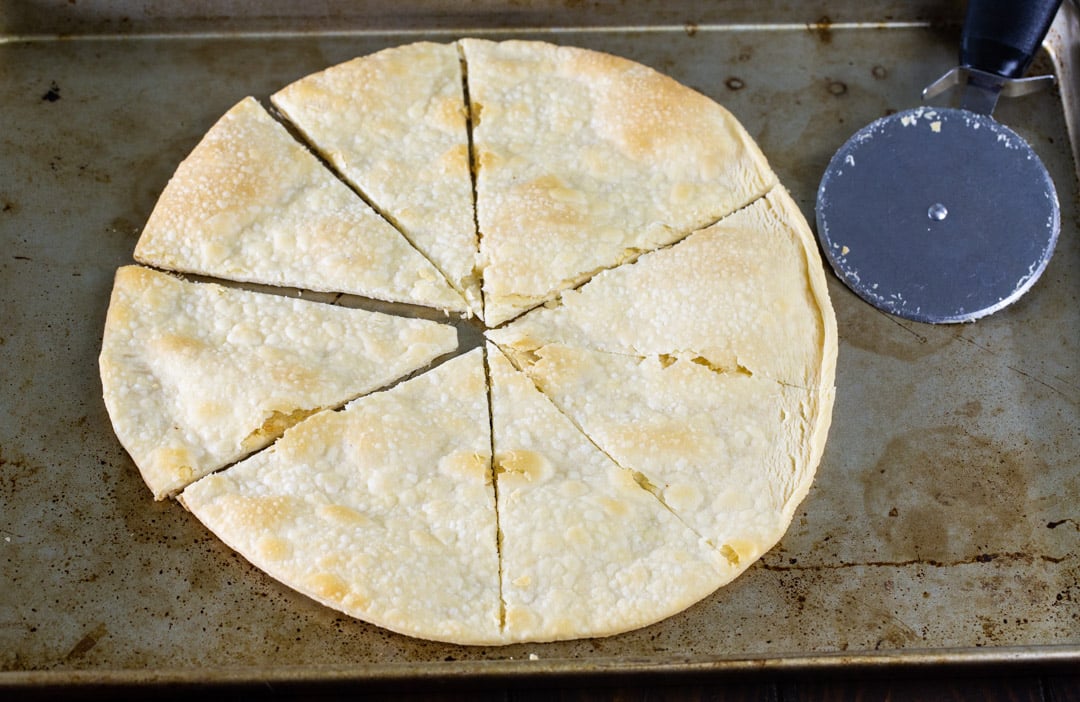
pixel 54 19
pixel 1063 43
pixel 41 20
pixel 478 674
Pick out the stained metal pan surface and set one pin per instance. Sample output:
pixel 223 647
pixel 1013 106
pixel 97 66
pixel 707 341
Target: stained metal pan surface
pixel 943 526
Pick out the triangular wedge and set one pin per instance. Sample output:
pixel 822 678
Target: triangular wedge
pixel 251 204
pixel 584 160
pixel 394 125
pixel 196 375
pixel 731 455
pixel 586 551
pixel 384 510
pixel 746 293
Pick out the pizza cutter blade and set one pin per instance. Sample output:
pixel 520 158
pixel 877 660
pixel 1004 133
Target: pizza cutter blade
pixel 941 214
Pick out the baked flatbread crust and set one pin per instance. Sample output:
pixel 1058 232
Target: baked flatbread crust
pixel 747 293
pixel 662 423
pixel 394 125
pixel 585 160
pixel 586 551
pixel 251 204
pixel 197 375
pixel 384 510
pixel 730 454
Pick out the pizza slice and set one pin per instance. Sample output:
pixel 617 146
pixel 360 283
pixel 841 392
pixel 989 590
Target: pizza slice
pixel 394 125
pixel 585 160
pixel 747 293
pixel 384 510
pixel 197 375
pixel 251 204
pixel 730 454
pixel 586 551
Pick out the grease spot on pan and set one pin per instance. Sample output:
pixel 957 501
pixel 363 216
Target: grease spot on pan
pixel 52 94
pixel 87 642
pixel 822 29
pixel 870 330
pixel 945 495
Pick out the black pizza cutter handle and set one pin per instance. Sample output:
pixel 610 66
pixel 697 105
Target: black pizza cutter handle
pixel 1002 36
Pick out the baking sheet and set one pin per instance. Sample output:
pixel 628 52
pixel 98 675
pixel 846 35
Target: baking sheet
pixel 944 525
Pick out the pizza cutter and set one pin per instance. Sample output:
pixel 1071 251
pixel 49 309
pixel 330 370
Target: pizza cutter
pixel 943 214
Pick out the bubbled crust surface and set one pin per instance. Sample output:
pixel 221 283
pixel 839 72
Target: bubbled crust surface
pixel 393 123
pixel 251 204
pixel 746 293
pixel 730 454
pixel 585 159
pixel 197 375
pixel 586 551
pixel 662 423
pixel 374 513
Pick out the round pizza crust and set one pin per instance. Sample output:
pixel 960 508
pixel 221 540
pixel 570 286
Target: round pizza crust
pixel 649 408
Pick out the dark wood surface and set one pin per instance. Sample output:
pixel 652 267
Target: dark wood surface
pixel 915 685
pixel 918 686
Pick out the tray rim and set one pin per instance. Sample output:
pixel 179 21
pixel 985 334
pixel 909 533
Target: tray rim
pixel 517 671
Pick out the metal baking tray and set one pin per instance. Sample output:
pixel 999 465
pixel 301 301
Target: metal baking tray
pixel 944 524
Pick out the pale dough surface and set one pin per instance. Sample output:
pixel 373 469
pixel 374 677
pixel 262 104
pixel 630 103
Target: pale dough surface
pixel 730 454
pixel 584 160
pixel 393 123
pixel 251 204
pixel 586 551
pixel 197 375
pixel 608 459
pixel 747 293
pixel 384 510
